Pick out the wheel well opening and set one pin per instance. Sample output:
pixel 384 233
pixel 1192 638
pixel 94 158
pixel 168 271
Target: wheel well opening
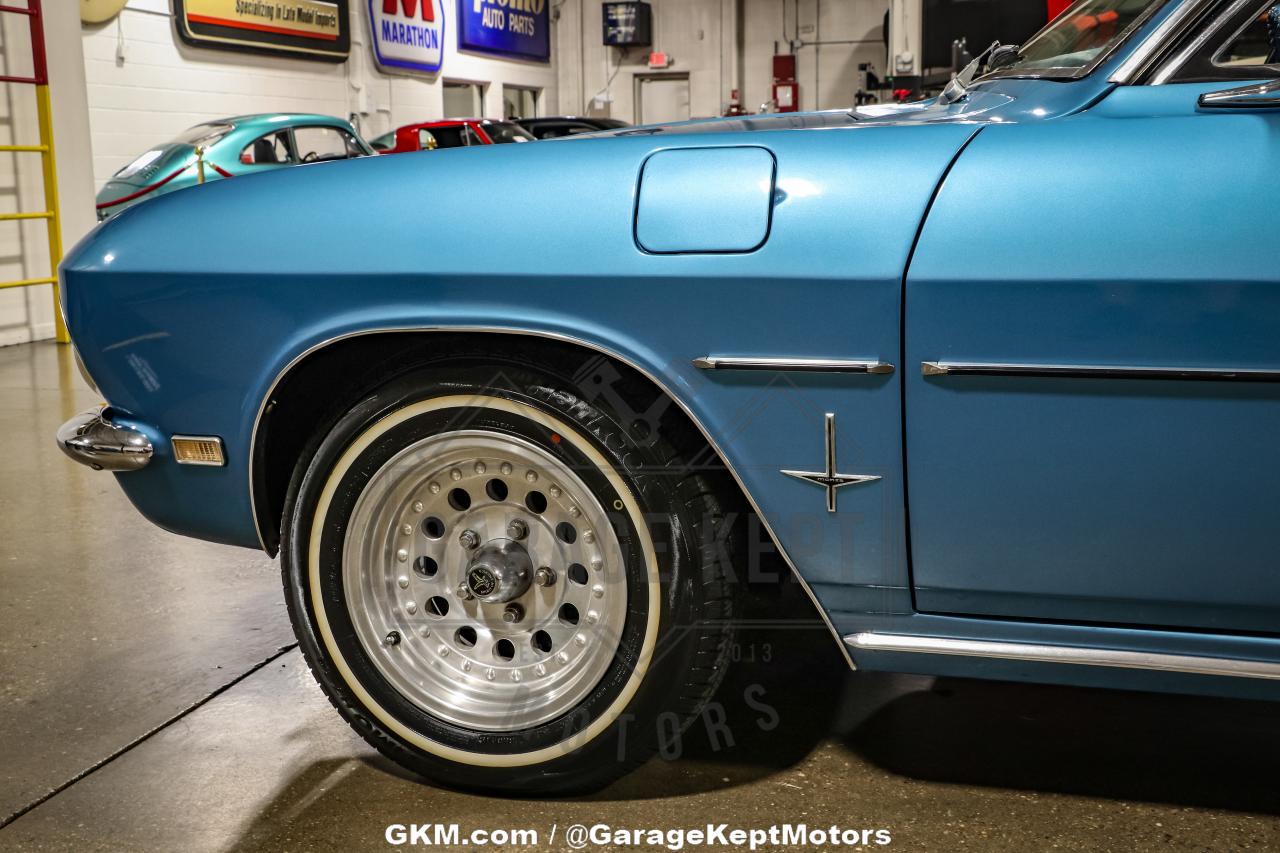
pixel 324 385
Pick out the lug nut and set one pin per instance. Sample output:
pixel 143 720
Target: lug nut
pixel 517 529
pixel 392 639
pixel 464 592
pixel 545 576
pixel 513 613
pixel 469 539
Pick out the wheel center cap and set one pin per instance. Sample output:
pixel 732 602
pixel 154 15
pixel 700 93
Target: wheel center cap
pixel 500 571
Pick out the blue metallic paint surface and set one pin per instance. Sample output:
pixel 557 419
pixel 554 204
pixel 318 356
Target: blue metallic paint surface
pixel 1101 500
pixel 1048 241
pixel 705 200
pixel 277 275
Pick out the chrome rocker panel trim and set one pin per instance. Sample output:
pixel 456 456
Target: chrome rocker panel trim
pixel 1115 658
pixel 569 339
pixel 1202 374
pixel 90 438
pixel 798 365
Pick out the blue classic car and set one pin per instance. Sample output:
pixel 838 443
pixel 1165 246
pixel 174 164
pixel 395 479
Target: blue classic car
pixel 998 374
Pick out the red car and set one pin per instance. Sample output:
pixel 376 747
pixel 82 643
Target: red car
pixel 450 133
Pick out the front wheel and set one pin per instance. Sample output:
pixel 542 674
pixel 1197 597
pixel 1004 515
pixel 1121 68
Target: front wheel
pixel 504 588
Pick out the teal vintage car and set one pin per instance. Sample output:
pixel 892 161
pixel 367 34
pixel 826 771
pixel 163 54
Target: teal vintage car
pixel 228 147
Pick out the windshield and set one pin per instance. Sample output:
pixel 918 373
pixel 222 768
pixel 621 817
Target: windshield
pixel 1079 36
pixel 500 131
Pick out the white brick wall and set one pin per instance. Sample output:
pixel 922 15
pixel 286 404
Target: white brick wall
pixel 702 36
pixel 164 86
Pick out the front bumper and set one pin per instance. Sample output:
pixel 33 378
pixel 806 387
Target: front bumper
pixel 92 439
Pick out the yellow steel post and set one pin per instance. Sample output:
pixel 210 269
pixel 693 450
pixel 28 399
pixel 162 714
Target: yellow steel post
pixel 44 109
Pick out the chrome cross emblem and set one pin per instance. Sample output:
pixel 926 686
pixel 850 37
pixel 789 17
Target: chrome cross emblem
pixel 829 479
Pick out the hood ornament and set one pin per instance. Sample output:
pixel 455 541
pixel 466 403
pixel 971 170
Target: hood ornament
pixel 829 479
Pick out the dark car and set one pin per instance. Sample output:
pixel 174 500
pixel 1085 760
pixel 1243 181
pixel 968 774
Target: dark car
pixel 550 127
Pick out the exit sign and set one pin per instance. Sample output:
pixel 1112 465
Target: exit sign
pixel 658 59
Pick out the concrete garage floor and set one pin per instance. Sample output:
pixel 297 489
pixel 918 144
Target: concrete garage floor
pixel 152 699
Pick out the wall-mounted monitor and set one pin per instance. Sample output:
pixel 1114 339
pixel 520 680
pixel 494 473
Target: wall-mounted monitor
pixel 628 24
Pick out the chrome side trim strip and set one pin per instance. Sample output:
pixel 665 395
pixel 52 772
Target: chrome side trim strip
pixel 1169 28
pixel 555 336
pixel 799 365
pixel 1200 374
pixel 1116 658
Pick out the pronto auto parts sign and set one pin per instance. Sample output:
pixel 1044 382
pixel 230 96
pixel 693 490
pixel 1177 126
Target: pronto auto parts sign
pixel 407 34
pixel 306 29
pixel 520 29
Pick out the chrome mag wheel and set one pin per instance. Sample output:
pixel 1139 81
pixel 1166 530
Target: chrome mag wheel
pixel 499 585
pixel 484 580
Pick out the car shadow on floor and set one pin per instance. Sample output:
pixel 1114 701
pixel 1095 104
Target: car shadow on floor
pixel 789 692
pixel 1148 747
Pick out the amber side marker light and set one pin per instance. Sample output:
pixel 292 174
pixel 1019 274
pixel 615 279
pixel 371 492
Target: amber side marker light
pixel 198 450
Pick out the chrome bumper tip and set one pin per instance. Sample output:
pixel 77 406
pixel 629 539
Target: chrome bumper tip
pixel 90 438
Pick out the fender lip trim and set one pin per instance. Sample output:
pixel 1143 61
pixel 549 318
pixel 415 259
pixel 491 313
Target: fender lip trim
pixel 91 438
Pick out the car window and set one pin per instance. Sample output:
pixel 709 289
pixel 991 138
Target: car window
pixel 1081 35
pixel 202 134
pixel 385 142
pixel 271 149
pixel 320 143
pixel 449 137
pixel 550 130
pixel 427 140
pixel 504 131
pixel 1237 47
pixel 1252 45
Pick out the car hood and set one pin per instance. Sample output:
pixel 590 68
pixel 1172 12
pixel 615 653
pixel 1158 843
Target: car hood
pixel 997 100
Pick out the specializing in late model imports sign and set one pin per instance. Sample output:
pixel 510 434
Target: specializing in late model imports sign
pixel 516 28
pixel 408 34
pixel 308 29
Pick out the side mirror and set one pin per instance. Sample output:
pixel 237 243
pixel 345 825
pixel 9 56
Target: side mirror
pixel 1258 96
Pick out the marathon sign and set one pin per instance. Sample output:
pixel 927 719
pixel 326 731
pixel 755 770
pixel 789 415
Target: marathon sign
pixel 407 34
pixel 518 29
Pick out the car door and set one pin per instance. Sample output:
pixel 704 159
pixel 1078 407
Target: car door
pixel 1092 348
